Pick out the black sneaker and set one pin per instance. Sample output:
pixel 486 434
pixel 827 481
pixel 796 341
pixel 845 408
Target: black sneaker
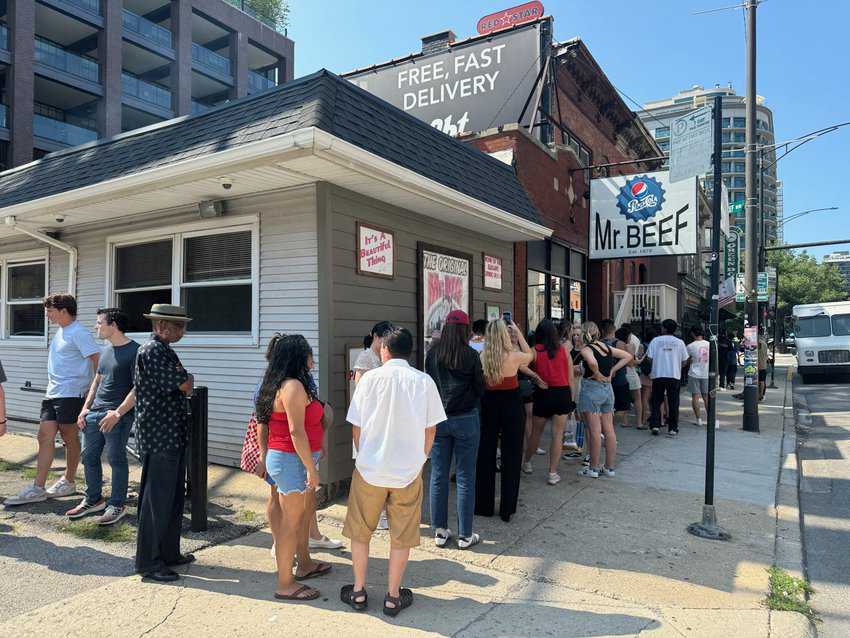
pixel 655 431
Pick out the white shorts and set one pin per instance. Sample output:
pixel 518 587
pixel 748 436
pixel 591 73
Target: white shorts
pixel 633 378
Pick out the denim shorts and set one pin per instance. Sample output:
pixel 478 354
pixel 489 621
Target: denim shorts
pixel 287 471
pixel 596 397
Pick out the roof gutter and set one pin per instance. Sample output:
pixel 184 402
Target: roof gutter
pixel 47 239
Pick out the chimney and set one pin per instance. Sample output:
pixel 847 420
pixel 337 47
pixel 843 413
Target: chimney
pixel 437 42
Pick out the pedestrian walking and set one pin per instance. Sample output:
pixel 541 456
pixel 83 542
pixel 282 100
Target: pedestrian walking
pixel 71 361
pixel 723 347
pixel 394 413
pixel 601 364
pixel 668 355
pixel 762 363
pixel 456 369
pixel 291 440
pixel 162 386
pixel 553 396
pixel 732 364
pixel 699 353
pixel 106 419
pixel 2 401
pixel 502 419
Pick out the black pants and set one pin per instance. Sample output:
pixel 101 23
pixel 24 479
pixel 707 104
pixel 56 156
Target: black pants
pixel 731 373
pixel 160 515
pixel 662 387
pixel 502 418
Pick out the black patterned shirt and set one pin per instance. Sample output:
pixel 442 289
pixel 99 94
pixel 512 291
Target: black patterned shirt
pixel 161 416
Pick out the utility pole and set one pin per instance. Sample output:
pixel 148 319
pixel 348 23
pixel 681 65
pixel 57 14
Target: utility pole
pixel 751 228
pixel 708 527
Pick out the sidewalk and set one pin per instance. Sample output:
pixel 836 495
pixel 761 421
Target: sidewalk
pixel 604 557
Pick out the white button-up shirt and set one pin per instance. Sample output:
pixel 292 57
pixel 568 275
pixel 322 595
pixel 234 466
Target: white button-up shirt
pixel 393 406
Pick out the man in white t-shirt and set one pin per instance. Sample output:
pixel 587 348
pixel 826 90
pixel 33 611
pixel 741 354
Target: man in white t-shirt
pixel 668 354
pixel 698 351
pixel 394 413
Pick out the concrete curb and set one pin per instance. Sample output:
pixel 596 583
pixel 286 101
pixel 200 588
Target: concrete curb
pixel 789 551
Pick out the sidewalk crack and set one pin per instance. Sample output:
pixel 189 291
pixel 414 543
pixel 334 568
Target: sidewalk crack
pixel 177 598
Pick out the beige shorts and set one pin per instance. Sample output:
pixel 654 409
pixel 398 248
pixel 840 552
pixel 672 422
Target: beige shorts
pixel 404 510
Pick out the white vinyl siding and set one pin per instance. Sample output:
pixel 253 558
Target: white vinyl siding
pixel 287 299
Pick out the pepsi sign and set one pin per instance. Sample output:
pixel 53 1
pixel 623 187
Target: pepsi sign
pixel 642 215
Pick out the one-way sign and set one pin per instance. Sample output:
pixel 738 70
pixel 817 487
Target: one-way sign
pixel 691 144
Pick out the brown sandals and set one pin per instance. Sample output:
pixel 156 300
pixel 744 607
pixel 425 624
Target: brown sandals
pixel 305 592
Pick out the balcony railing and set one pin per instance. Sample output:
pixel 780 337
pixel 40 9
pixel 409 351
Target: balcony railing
pixel 92 6
pixel 258 83
pixel 210 59
pixel 62 132
pixel 58 58
pixel 147 29
pixel 3 123
pixel 4 37
pixel 145 91
pixel 658 300
pixel 251 11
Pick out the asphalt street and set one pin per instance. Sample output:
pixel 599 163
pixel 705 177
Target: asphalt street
pixel 824 453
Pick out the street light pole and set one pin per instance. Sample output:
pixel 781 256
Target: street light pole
pixel 751 415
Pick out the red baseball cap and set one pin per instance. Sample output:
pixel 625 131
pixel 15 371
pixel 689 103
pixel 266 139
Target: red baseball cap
pixel 457 317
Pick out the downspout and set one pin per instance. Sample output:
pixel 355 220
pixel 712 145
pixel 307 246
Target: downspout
pixel 47 239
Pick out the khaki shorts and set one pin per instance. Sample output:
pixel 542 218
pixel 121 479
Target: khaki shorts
pixel 404 510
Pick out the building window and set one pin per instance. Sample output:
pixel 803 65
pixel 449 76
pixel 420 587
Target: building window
pixel 556 283
pixel 536 298
pixel 724 122
pixel 739 122
pixel 740 167
pixel 662 131
pixel 725 167
pixel 739 182
pixel 664 145
pixel 26 283
pixel 211 272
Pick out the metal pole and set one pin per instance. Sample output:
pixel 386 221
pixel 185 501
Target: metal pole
pixel 708 528
pixel 198 458
pixel 751 414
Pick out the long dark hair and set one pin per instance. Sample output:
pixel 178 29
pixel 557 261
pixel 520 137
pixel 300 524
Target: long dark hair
pixel 378 330
pixel 449 348
pixel 547 335
pixel 288 361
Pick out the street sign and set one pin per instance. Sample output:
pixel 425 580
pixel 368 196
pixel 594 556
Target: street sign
pixel 771 285
pixel 740 288
pixel 761 286
pixel 736 207
pixel 691 144
pixel 732 256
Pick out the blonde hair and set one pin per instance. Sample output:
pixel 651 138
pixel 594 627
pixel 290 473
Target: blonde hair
pixel 497 347
pixel 589 332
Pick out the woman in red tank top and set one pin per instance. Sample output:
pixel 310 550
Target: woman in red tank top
pixel 289 416
pixel 552 398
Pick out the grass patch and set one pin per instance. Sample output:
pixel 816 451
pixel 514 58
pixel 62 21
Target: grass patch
pixel 788 593
pixel 247 516
pixel 117 533
pixel 8 466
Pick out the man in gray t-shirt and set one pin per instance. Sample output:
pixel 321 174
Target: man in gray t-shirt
pixel 2 401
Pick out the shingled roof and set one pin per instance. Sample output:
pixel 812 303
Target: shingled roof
pixel 322 100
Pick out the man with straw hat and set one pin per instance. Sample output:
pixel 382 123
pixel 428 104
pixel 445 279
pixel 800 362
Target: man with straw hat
pixel 162 428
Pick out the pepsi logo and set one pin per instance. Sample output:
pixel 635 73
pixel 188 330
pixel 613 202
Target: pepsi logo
pixel 639 189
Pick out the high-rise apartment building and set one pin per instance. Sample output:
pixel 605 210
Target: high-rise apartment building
pixel 659 114
pixel 841 260
pixel 72 71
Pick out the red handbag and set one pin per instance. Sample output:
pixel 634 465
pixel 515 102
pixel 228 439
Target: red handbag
pixel 250 448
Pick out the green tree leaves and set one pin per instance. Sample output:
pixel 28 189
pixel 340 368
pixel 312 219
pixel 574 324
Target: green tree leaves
pixel 803 280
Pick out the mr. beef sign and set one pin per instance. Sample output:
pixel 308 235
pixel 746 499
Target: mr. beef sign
pixel 473 86
pixel 642 215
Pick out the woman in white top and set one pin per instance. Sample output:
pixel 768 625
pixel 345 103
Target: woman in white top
pixel 370 358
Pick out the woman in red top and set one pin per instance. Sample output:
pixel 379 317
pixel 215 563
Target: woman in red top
pixel 552 398
pixel 289 416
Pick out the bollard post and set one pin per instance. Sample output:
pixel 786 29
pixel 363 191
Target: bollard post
pixel 197 483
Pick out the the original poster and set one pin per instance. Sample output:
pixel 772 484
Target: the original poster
pixel 642 215
pixel 445 284
pixel 375 251
pixel 492 272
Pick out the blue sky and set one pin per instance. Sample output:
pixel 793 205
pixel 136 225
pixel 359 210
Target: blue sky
pixel 651 50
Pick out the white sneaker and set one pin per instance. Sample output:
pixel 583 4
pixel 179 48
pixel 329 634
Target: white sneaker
pixel 554 478
pixel 325 543
pixel 62 487
pixel 608 471
pixel 32 493
pixel 468 541
pixel 527 468
pixel 442 536
pixel 699 422
pixel 587 471
pixel 383 523
pixel 271 551
pixel 540 451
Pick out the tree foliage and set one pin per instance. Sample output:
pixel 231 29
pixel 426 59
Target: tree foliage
pixel 803 280
pixel 276 11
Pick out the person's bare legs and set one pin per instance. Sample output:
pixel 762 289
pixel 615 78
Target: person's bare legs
pixel 695 405
pixel 538 423
pixel 594 440
pixel 398 563
pixel 638 403
pixel 292 525
pixel 559 422
pixel 274 514
pixel 46 435
pixel 607 426
pixel 305 562
pixel 315 534
pixel 360 563
pixel 646 393
pixel 71 436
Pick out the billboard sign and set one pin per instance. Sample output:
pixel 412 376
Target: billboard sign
pixel 691 144
pixel 473 86
pixel 512 17
pixel 643 215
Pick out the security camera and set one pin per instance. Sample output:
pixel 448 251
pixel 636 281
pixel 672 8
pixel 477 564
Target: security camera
pixel 226 183
pixel 60 219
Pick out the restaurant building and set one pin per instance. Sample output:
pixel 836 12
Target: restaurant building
pixel 313 208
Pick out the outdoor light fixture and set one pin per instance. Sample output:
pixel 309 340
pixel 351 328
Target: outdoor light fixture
pixel 210 208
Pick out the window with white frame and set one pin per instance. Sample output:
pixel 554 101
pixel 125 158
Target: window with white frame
pixel 25 285
pixel 209 272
